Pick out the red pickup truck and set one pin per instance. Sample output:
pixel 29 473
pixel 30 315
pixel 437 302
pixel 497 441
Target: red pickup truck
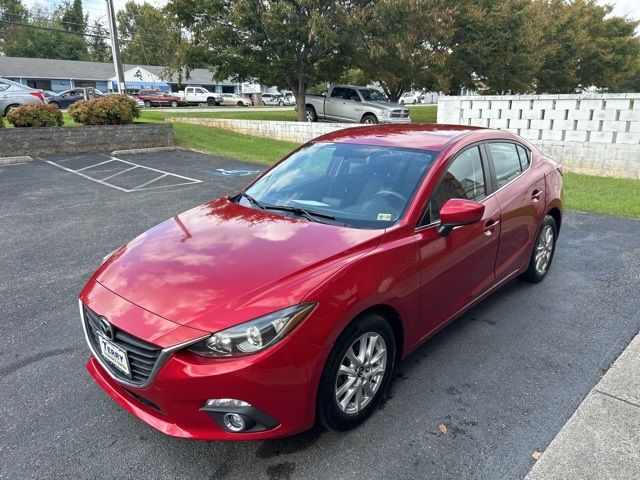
pixel 158 98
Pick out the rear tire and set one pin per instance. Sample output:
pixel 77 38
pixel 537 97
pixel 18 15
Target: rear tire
pixel 543 250
pixel 310 114
pixel 239 104
pixel 174 104
pixel 147 104
pixel 357 373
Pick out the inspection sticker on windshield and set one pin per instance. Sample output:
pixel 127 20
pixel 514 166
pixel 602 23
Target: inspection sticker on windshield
pixel 384 216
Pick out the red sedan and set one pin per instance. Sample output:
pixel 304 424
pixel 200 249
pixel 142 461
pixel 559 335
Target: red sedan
pixel 256 315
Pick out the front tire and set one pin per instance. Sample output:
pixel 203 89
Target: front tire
pixel 543 251
pixel 369 119
pixel 357 373
pixel 211 102
pixel 147 104
pixel 174 104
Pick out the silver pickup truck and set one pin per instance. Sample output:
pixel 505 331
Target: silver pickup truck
pixel 346 103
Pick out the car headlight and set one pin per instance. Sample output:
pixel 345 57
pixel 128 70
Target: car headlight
pixel 384 113
pixel 254 335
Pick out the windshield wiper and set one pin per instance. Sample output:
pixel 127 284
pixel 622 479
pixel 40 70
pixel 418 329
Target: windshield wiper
pixel 311 215
pixel 252 200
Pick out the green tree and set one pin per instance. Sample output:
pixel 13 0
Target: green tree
pixel 496 47
pixel 404 43
pixel 72 17
pixel 11 11
pixel 585 46
pixel 288 43
pixel 99 50
pixel 149 35
pixel 43 38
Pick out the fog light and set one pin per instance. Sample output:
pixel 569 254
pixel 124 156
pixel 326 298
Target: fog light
pixel 226 402
pixel 234 422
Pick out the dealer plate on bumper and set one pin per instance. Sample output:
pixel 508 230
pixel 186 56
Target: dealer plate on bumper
pixel 115 355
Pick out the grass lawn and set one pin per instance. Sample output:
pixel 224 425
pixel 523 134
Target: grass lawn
pixel 224 143
pixel 423 113
pixel 608 196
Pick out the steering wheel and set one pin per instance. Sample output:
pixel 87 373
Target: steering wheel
pixel 391 193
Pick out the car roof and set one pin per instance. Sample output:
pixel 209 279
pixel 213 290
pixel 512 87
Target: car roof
pixel 428 136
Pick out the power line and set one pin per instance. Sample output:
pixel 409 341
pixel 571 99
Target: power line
pixel 91 35
pixel 51 20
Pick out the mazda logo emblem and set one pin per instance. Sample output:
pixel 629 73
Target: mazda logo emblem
pixel 105 328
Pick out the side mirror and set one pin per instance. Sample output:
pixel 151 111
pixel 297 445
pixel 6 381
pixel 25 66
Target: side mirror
pixel 458 211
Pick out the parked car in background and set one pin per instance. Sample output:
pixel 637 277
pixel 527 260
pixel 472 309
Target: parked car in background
pixel 69 97
pixel 13 94
pixel 199 95
pixel 233 99
pixel 289 98
pixel 159 98
pixel 137 100
pixel 347 103
pixel 410 98
pixel 273 99
pixel 256 315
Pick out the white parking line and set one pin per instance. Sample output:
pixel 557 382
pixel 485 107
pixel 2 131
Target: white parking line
pixel 118 173
pixel 149 182
pixel 143 186
pixel 91 166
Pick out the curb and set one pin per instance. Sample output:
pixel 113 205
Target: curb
pixel 600 440
pixel 15 160
pixel 139 151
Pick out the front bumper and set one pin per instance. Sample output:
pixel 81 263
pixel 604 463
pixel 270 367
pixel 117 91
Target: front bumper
pixel 394 120
pixel 279 382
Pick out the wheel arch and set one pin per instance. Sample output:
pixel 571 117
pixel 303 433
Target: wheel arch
pixel 371 114
pixel 392 316
pixel 557 216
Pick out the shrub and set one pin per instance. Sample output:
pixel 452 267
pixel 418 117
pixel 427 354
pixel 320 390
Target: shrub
pixel 1 122
pixel 35 115
pixel 109 110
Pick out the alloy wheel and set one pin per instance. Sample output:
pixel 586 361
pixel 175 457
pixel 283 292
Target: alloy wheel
pixel 361 373
pixel 544 249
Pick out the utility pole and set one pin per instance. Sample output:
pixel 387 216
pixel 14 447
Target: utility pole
pixel 115 47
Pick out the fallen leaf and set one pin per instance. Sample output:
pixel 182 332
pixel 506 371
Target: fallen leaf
pixel 536 455
pixel 442 427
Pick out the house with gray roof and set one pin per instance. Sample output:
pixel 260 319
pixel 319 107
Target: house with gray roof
pixel 60 75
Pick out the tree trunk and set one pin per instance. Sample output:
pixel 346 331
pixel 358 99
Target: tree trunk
pixel 300 93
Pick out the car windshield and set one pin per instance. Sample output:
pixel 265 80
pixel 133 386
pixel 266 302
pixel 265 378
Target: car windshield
pixel 371 95
pixel 359 186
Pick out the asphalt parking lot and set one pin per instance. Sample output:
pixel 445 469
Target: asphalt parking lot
pixel 503 379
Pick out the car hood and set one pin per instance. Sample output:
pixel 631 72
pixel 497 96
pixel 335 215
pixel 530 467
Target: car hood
pixel 386 105
pixel 222 263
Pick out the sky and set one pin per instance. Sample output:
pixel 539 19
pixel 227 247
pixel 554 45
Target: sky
pixel 97 9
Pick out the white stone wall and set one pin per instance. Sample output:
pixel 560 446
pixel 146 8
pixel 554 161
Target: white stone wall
pixel 299 132
pixel 597 134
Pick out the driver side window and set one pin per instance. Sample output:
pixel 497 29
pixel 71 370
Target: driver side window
pixel 463 179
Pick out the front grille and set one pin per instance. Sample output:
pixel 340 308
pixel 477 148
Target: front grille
pixel 142 356
pixel 399 113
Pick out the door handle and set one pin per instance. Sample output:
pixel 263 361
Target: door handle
pixel 536 194
pixel 490 225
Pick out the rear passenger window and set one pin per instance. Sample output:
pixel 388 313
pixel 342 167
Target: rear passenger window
pixel 4 86
pixel 506 161
pixel 463 179
pixel 338 92
pixel 525 160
